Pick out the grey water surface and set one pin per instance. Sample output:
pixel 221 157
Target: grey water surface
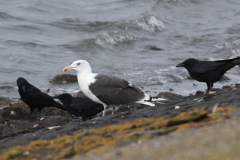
pixel 39 38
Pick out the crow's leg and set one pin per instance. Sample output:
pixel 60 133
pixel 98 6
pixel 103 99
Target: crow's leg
pixel 207 95
pixel 211 85
pixel 27 115
pixel 31 111
pixel 208 88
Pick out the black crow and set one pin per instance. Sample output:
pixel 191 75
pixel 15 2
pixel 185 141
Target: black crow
pixel 208 71
pixel 80 106
pixel 34 98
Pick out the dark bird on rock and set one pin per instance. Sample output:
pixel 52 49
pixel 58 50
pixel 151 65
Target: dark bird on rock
pixel 80 106
pixel 208 71
pixel 34 98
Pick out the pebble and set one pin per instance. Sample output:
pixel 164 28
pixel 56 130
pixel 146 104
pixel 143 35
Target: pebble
pixel 177 107
pixel 53 127
pixel 13 113
pixel 35 125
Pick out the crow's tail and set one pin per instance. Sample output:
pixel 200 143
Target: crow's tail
pixel 237 59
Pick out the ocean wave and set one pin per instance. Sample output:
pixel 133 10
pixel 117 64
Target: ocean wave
pixel 4 15
pixel 87 44
pixel 102 41
pixel 25 43
pixel 164 78
pixel 148 23
pixel 167 0
pixel 115 38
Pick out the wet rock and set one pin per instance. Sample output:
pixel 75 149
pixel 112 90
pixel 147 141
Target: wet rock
pixel 123 108
pixel 154 48
pixel 2 121
pixel 1 128
pixel 138 106
pixel 64 79
pixel 6 87
pixel 232 86
pixel 19 111
pixel 81 94
pixel 189 77
pixel 4 100
pixel 226 87
pixel 108 112
pixel 107 134
pixel 55 120
pixel 13 122
pixel 237 85
pixel 199 93
pixel 52 111
pixel 215 89
pixel 169 96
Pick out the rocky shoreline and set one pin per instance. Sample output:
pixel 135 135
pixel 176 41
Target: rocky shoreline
pixel 73 138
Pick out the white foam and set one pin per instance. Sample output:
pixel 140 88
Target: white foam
pixel 151 24
pixel 116 38
pixel 158 99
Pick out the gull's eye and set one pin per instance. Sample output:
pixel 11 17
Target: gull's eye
pixel 78 64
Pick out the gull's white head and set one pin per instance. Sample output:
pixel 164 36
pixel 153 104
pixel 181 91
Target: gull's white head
pixel 79 66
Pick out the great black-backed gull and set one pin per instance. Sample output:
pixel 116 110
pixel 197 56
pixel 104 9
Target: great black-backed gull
pixel 106 89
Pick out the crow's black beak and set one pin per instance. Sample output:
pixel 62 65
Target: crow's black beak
pixel 180 65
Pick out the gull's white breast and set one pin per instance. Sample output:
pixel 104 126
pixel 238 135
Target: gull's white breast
pixel 84 83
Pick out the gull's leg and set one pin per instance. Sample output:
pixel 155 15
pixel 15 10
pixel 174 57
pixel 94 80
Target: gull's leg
pixel 113 110
pixel 104 111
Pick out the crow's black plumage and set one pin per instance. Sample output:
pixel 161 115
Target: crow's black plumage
pixel 33 97
pixel 80 106
pixel 208 71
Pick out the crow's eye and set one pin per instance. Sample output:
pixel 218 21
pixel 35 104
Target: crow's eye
pixel 78 64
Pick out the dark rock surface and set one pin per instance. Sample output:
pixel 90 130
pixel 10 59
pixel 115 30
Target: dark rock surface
pixel 5 101
pixel 81 94
pixel 169 96
pixel 13 122
pixel 154 48
pixel 199 93
pixel 64 79
pixel 17 131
